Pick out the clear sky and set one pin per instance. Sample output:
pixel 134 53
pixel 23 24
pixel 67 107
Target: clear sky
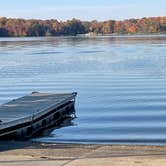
pixel 82 9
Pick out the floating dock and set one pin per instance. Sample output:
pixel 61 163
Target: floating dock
pixel 28 115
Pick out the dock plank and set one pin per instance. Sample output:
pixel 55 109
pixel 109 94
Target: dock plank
pixel 31 104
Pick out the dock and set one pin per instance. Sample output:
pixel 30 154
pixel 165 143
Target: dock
pixel 28 115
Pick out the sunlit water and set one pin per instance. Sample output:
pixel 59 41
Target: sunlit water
pixel 121 84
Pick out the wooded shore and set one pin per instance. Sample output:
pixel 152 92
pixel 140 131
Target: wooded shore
pixel 12 27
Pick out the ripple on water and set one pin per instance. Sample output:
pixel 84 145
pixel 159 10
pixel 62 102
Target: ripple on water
pixel 116 102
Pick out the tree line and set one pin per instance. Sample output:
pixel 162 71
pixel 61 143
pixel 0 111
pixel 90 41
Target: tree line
pixel 10 27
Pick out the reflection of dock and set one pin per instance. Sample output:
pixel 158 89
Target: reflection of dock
pixel 24 117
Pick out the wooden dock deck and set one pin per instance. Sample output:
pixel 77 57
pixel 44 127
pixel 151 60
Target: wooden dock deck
pixel 25 116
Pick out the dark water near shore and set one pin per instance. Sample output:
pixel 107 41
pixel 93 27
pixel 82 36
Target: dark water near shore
pixel 121 84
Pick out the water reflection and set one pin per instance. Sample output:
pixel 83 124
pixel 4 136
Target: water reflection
pixel 76 41
pixel 48 132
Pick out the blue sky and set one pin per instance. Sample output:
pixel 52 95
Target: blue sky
pixel 82 9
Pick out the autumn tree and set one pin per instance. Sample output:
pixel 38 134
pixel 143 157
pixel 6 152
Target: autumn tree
pixel 32 27
pixel 108 27
pixel 95 27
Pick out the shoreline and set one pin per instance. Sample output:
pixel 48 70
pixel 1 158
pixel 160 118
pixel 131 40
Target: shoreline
pixel 30 153
pixel 91 36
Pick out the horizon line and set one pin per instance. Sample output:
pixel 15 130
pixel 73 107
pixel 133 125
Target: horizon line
pixel 44 19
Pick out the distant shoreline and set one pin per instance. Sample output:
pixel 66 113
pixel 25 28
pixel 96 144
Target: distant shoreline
pixel 91 36
pixel 12 27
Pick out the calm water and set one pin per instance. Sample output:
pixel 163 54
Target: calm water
pixel 121 84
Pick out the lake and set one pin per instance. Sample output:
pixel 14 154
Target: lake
pixel 120 80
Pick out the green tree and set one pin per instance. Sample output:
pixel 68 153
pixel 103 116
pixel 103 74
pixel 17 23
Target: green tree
pixel 3 32
pixel 73 28
pixel 36 30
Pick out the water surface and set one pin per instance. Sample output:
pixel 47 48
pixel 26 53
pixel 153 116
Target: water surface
pixel 120 80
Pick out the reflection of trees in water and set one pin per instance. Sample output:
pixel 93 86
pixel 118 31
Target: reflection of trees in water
pixel 65 123
pixel 23 43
